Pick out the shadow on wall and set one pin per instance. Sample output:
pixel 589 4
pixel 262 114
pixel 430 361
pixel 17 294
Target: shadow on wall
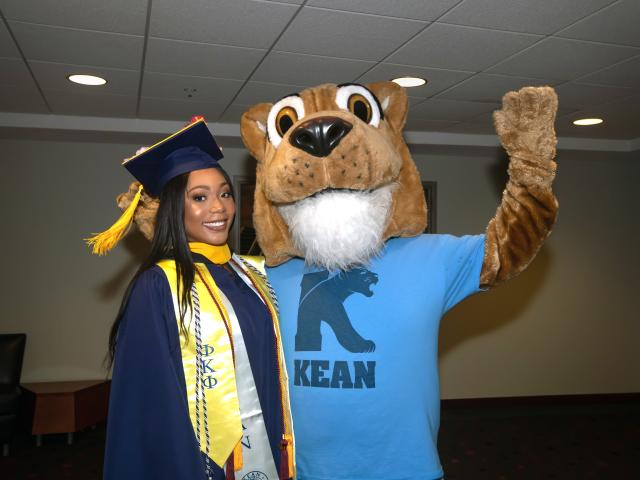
pixel 137 248
pixel 486 312
pixel 490 311
pixel 498 173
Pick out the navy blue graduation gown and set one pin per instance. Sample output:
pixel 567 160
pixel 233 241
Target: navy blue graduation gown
pixel 149 432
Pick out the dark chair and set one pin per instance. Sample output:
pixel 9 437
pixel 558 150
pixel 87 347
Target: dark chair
pixel 11 355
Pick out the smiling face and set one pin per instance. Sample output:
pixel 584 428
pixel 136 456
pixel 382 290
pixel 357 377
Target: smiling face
pixel 209 207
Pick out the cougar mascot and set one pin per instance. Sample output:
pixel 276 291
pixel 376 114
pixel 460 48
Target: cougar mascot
pixel 339 213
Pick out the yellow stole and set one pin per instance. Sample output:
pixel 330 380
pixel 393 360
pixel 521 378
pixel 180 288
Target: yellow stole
pixel 221 396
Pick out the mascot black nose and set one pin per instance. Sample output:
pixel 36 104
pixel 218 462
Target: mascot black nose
pixel 320 136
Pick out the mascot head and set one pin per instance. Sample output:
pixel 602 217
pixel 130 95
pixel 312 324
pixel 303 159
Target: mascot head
pixel 334 178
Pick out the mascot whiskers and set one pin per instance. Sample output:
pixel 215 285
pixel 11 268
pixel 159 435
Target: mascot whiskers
pixel 339 214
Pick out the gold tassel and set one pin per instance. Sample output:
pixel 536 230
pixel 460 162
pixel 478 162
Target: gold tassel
pixel 234 462
pixel 237 457
pixel 103 242
pixel 286 457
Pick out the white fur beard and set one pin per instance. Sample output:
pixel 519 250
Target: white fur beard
pixel 338 229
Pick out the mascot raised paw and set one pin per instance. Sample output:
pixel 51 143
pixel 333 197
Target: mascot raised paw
pixel 339 213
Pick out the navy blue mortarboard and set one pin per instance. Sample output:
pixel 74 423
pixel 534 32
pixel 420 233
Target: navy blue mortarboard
pixel 192 148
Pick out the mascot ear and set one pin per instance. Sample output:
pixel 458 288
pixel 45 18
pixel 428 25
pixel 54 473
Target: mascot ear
pixel 394 103
pixel 253 129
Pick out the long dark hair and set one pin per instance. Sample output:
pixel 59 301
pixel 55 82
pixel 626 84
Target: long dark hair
pixel 169 241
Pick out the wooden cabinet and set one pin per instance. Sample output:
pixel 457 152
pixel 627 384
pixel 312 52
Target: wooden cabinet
pixel 67 407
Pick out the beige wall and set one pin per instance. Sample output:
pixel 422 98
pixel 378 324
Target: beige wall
pixel 567 325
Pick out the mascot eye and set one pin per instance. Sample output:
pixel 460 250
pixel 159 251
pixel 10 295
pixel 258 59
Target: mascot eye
pixel 285 118
pixel 282 116
pixel 360 107
pixel 360 101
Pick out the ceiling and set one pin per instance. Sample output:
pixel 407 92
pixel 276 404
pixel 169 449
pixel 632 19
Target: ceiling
pixel 171 59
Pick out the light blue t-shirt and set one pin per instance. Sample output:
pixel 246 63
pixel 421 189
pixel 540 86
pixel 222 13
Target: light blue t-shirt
pixel 361 352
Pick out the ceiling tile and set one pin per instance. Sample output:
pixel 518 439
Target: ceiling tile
pixel 414 9
pixel 624 131
pixel 308 70
pixel 346 35
pixel 624 74
pixel 487 117
pixel 414 101
pixel 451 110
pixel 621 120
pixel 80 47
pixel 243 23
pixel 540 16
pixel 565 111
pixel 221 50
pixel 201 59
pixel 615 24
pixel 270 94
pixel 234 113
pixel 22 98
pixel 437 79
pixel 624 108
pixel 7 45
pixel 258 92
pixel 53 76
pixel 484 118
pixel 473 128
pixel 563 59
pixel 460 48
pixel 118 16
pixel 182 87
pixel 485 87
pixel 576 96
pixel 183 110
pixel 91 104
pixel 14 72
pixel 426 125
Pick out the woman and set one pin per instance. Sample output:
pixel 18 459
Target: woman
pixel 199 385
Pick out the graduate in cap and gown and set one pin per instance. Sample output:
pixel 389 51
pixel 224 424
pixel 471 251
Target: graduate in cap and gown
pixel 199 388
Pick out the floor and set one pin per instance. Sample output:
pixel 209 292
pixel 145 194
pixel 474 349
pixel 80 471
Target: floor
pixel 600 441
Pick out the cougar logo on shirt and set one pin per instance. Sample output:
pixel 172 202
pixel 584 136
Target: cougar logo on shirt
pixel 322 300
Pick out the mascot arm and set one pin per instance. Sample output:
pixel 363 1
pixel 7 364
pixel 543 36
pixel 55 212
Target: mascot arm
pixel 145 214
pixel 528 208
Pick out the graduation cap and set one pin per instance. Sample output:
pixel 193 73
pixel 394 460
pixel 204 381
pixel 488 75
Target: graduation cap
pixel 192 148
pixel 189 149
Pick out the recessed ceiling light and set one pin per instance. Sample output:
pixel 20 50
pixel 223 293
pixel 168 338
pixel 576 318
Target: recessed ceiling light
pixel 588 121
pixel 86 79
pixel 409 81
